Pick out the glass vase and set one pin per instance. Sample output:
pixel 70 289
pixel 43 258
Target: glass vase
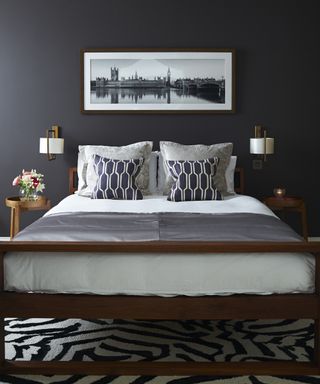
pixel 28 195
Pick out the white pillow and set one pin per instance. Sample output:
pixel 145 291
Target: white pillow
pixel 86 175
pixel 82 169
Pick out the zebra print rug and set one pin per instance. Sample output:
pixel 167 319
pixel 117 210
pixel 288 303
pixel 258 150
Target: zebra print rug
pixel 48 339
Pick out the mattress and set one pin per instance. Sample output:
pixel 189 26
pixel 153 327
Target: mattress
pixel 161 274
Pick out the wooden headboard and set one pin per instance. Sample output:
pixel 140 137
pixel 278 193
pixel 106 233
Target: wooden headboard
pixel 238 180
pixel 73 180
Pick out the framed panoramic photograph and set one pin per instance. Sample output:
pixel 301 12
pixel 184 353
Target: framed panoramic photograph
pixel 158 81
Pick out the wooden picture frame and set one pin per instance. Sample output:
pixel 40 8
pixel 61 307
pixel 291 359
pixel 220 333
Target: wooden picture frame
pixel 157 80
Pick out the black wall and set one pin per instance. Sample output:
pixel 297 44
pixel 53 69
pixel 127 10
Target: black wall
pixel 277 45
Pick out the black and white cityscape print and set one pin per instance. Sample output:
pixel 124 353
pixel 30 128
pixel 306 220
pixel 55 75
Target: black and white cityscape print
pixel 157 81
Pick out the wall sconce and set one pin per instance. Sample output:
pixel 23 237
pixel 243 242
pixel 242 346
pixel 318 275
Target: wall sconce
pixel 52 145
pixel 261 145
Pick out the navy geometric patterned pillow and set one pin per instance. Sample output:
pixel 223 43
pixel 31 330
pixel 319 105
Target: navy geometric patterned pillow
pixel 193 180
pixel 116 178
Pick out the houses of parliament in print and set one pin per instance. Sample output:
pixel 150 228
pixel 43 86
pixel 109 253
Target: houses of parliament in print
pixel 134 81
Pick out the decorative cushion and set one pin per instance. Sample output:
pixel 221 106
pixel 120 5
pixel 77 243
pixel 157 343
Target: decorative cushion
pixel 175 151
pixel 116 179
pixel 193 180
pixel 87 176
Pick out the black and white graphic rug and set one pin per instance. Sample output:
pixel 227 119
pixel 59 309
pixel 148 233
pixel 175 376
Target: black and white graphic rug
pixel 231 340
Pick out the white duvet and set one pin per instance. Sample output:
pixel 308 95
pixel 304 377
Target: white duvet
pixel 155 203
pixel 160 274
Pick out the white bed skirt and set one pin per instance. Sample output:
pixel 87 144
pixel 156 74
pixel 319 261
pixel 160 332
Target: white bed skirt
pixel 160 274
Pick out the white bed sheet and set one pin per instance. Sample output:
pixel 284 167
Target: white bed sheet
pixel 160 274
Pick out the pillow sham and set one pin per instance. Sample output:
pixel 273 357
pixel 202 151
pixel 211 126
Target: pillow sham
pixel 175 151
pixel 193 180
pixel 87 177
pixel 116 179
pixel 153 173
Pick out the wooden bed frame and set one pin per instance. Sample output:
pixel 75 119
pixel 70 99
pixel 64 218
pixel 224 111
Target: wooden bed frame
pixel 277 306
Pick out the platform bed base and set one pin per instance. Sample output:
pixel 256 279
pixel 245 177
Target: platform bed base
pixel 289 306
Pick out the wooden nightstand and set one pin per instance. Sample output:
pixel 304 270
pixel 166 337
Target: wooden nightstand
pixel 290 204
pixel 17 206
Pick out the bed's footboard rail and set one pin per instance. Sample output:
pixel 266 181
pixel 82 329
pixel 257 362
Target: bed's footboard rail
pixel 290 306
pixel 275 368
pixel 161 246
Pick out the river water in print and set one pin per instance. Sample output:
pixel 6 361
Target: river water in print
pixel 153 96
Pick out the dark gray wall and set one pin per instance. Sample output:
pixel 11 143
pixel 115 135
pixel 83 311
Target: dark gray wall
pixel 277 44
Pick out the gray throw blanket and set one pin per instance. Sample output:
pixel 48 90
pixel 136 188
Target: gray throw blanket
pixel 157 226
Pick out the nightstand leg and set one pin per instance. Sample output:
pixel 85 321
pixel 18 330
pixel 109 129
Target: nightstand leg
pixel 15 222
pixel 12 223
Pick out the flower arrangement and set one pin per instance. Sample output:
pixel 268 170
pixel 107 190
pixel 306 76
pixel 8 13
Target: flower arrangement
pixel 30 183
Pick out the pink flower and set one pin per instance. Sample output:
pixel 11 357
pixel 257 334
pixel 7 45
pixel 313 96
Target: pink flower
pixel 16 180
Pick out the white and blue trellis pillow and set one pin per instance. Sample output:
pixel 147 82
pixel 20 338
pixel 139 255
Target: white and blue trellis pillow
pixel 116 178
pixel 193 179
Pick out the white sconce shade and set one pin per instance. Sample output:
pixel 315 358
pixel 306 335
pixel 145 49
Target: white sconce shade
pixel 262 146
pixel 54 146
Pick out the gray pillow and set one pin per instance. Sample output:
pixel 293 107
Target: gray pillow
pixel 87 176
pixel 174 151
